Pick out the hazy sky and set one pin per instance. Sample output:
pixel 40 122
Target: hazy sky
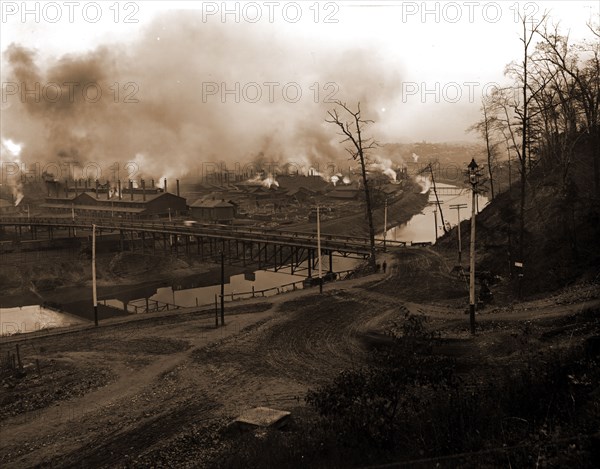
pixel 231 79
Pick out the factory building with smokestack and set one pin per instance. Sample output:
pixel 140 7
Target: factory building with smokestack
pixel 104 201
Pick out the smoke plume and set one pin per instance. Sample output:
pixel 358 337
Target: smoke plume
pixel 157 111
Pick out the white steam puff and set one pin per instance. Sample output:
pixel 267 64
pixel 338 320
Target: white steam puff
pixel 424 182
pixel 10 168
pixel 268 181
pixel 384 166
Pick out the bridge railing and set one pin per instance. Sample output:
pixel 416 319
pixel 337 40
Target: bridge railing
pixel 147 305
pixel 151 306
pixel 177 228
pixel 293 286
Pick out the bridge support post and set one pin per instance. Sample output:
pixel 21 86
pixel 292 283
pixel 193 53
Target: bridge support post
pixel 259 258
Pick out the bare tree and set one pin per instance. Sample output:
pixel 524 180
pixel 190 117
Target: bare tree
pixel 486 128
pixel 521 73
pixel 352 131
pixel 576 92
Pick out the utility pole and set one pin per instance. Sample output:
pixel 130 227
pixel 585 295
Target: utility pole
pixel 384 223
pixel 319 250
pixel 474 181
pixel 437 199
pixel 223 286
pixel 94 295
pixel 457 207
pixel 435 225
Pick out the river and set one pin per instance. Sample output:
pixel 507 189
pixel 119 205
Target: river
pixel 423 228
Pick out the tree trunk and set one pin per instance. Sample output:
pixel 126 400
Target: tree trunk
pixel 363 169
pixel 489 150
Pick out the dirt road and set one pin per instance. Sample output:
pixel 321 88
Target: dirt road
pixel 160 391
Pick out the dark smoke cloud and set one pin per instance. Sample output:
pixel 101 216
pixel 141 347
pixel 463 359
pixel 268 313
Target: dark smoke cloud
pixel 170 130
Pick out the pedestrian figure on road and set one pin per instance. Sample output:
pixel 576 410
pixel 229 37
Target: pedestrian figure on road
pixel 384 266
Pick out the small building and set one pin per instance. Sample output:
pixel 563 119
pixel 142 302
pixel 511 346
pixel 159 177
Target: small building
pixel 301 195
pixel 345 192
pixel 314 184
pixel 213 210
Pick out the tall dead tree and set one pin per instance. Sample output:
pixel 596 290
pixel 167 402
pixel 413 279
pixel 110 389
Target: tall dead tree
pixel 486 128
pixel 352 131
pixel 520 72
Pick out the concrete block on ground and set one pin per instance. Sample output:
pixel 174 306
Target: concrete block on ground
pixel 262 417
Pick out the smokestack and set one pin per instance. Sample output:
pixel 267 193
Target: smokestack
pixel 177 181
pixel 143 190
pixel 97 183
pixel 86 185
pixel 119 187
pixel 76 186
pixel 165 185
pixel 48 187
pixel 66 188
pixel 131 188
pixel 107 190
pixel 153 186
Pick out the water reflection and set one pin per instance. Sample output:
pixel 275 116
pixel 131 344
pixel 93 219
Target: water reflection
pixel 32 318
pixel 422 227
pixel 183 292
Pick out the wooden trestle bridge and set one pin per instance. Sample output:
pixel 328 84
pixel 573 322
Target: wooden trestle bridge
pixel 266 248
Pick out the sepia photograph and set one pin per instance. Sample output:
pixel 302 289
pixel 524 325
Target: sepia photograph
pixel 300 234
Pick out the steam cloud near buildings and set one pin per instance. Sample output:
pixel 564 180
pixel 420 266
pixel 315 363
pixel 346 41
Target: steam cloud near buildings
pixel 174 126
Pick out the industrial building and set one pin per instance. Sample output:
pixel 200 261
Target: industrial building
pixel 104 202
pixel 213 210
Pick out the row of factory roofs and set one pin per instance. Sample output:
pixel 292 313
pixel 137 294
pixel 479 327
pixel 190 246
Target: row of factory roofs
pixel 214 202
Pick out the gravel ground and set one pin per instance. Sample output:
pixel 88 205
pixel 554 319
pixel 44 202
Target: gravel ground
pixel 161 391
